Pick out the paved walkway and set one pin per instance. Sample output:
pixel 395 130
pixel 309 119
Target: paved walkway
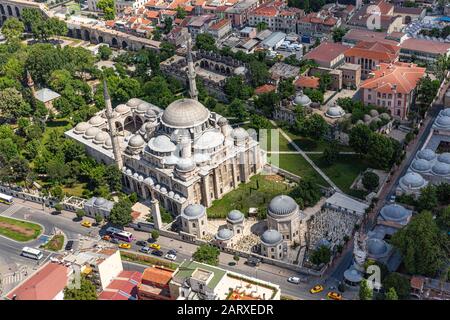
pixel 308 152
pixel 305 156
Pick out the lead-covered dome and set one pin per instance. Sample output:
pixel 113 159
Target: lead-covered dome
pixel 444 157
pixel 441 169
pixel 271 237
pixel 134 102
pixel 99 202
pixel 136 141
pixel 421 165
pixel 185 165
pixel 446 112
pixel 240 133
pixel 91 132
pixel 235 216
pixel 413 180
pixel 101 137
pixel 224 234
pixel 335 112
pixel 377 247
pixel 161 144
pixel 122 108
pixel 96 121
pixel 185 113
pixel 193 211
pixel 394 212
pixel 426 154
pixel 282 205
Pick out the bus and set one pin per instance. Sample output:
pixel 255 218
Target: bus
pixel 120 234
pixel 32 253
pixel 4 198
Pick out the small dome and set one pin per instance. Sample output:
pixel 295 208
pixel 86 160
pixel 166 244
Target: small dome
pixel 129 172
pixel 385 116
pixel 171 194
pixel 235 216
pixel 171 160
pixel 142 108
pixel 376 247
pixel 135 175
pixel 353 275
pixel 150 114
pixel 412 180
pixel 194 211
pixel 335 112
pixel 134 102
pixel 96 121
pixel 149 181
pixel 282 205
pixel 426 154
pixel 441 169
pixel 81 127
pixel 443 121
pixel 185 165
pixel 122 108
pixel 99 202
pixel 240 133
pixel 91 132
pixel 136 141
pixel 185 113
pixel 161 144
pixel 444 157
pixel 367 118
pixel 302 100
pixel 101 137
pixel 373 113
pixel 446 112
pixel 421 165
pixel 224 234
pixel 108 143
pixel 163 190
pixel 222 121
pixel 394 212
pixel 271 237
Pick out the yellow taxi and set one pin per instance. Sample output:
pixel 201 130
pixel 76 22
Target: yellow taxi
pixel 86 224
pixel 334 295
pixel 125 246
pixel 155 246
pixel 316 289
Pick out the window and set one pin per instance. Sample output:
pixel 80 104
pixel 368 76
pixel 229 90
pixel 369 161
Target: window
pixel 193 225
pixel 369 97
pixel 272 249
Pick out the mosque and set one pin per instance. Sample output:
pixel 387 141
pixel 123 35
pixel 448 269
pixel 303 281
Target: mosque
pixel 182 155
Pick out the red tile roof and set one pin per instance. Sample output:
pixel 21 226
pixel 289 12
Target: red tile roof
pixel 402 76
pixel 417 282
pixel 326 52
pixel 265 88
pixel 45 284
pixel 425 46
pixel 374 50
pixel 123 287
pixel 221 23
pixel 157 275
pixel 307 82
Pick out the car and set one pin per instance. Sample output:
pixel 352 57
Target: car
pixel 69 245
pixel 158 253
pixel 253 262
pixel 125 246
pixel 145 249
pixel 172 251
pixel 155 246
pixel 295 280
pixel 86 224
pixel 316 289
pixel 334 295
pixel 171 257
pixel 141 243
pixel 106 237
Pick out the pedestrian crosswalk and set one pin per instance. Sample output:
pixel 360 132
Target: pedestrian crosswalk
pixel 13 278
pixel 11 210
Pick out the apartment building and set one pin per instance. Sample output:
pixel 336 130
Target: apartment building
pixel 277 16
pixel 317 24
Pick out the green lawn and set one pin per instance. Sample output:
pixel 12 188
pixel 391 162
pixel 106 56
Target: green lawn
pixel 147 260
pixel 19 230
pixel 296 164
pixel 344 171
pixel 55 244
pixel 76 190
pixel 257 193
pixel 308 144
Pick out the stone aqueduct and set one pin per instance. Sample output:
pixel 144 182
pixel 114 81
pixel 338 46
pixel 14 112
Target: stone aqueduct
pixel 87 32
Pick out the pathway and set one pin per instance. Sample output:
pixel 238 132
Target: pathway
pixel 305 156
pixel 308 152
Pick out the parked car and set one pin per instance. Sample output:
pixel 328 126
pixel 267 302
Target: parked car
pixel 106 237
pixel 86 224
pixel 125 246
pixel 334 295
pixel 145 249
pixel 295 280
pixel 171 257
pixel 254 262
pixel 316 289
pixel 141 243
pixel 155 246
pixel 158 253
pixel 69 245
pixel 172 251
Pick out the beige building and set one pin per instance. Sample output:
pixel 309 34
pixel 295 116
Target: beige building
pixel 194 220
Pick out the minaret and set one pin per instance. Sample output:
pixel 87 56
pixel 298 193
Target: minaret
pixel 112 127
pixel 30 83
pixel 191 71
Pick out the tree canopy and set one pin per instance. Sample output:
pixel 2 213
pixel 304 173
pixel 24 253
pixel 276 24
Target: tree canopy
pixel 207 254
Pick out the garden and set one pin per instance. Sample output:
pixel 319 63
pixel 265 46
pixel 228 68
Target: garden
pixel 19 230
pixel 55 244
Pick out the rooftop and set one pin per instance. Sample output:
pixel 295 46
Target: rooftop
pixel 188 268
pixel 375 50
pixel 427 46
pixel 326 52
pixel 46 95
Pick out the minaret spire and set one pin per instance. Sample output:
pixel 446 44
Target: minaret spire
pixel 112 127
pixel 193 92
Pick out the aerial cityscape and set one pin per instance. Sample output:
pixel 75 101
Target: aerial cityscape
pixel 225 150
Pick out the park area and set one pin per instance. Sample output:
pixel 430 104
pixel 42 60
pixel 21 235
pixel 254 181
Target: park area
pixel 55 244
pixel 19 230
pixel 255 194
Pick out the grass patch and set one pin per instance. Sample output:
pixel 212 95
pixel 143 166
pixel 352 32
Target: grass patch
pixel 344 171
pixel 256 193
pixel 146 260
pixel 19 230
pixel 55 244
pixel 296 164
pixel 308 144
pixel 75 190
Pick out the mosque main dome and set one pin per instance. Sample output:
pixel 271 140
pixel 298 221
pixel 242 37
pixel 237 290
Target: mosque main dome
pixel 185 113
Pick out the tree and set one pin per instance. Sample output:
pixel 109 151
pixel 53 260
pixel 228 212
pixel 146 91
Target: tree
pixel 358 138
pixel 428 199
pixel 155 234
pixel 314 94
pixel 108 8
pixel 237 109
pixel 12 104
pixel 381 151
pixel 235 87
pixel 207 254
pixel 104 52
pixel 443 218
pixel 12 29
pixel 80 214
pixel 370 180
pixel 121 212
pixel 330 154
pixel 8 149
pixel 86 291
pixel 365 292
pixel 399 283
pixel 31 16
pixel 306 193
pixel 338 34
pixel 265 102
pixel 313 126
pixel 391 294
pixel 286 88
pixel 98 219
pixel 321 255
pixel 260 26
pixel 181 12
pixel 441 67
pixel 258 122
pixel 425 256
pixel 113 178
pixel 443 193
pixel 205 41
pixel 258 72
pixel 325 82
